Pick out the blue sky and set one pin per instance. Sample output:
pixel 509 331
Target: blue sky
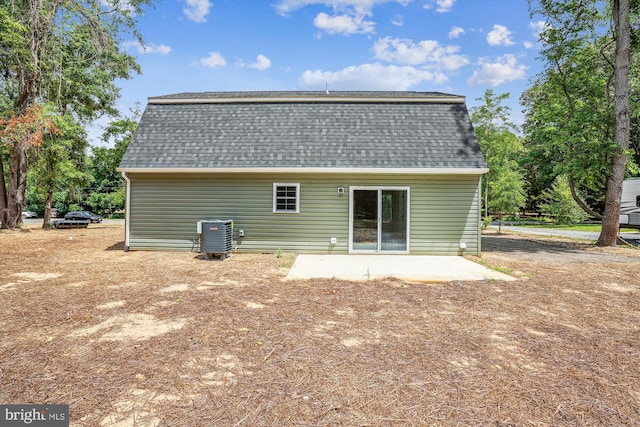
pixel 455 46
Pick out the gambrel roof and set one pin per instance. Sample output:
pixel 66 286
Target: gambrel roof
pixel 319 131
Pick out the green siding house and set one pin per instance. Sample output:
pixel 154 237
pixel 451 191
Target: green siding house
pixel 314 172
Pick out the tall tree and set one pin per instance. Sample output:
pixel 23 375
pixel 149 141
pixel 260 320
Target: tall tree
pixel 60 52
pixel 108 193
pixel 83 89
pixel 572 27
pixel 504 184
pixel 622 33
pixel 569 125
pixel 20 135
pixel 59 162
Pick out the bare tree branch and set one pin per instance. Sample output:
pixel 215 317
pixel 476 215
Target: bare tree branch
pixel 580 202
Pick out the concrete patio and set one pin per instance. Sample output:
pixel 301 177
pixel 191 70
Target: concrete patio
pixel 405 267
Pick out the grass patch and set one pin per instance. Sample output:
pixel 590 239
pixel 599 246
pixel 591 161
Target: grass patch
pixel 505 270
pixel 578 227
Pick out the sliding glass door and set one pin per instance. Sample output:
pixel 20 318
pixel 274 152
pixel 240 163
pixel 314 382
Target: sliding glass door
pixel 365 220
pixel 379 219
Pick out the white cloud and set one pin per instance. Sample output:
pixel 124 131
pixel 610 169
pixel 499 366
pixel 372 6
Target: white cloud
pixel 456 32
pixel 348 17
pixel 442 6
pixel 398 20
pixel 528 45
pixel 538 27
pixel 499 36
pixel 213 60
pixel 284 7
pixel 197 10
pixel 345 24
pixel 262 63
pixel 149 48
pixel 504 69
pixel 426 52
pixel 123 6
pixel 369 77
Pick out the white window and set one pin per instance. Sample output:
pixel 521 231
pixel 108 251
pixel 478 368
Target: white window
pixel 286 197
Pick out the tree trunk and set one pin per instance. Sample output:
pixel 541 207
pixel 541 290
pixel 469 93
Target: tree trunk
pixel 611 218
pixel 486 194
pixel 16 186
pixel 46 222
pixel 3 196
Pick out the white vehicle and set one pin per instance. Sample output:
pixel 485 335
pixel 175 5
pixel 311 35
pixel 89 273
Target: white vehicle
pixel 29 214
pixel 630 203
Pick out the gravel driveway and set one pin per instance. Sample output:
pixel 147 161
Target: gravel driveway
pixel 633 237
pixel 520 243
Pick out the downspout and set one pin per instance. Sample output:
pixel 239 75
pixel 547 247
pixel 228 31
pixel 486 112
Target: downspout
pixel 480 219
pixel 127 210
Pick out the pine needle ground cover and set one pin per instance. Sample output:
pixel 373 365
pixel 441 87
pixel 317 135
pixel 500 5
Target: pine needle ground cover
pixel 168 339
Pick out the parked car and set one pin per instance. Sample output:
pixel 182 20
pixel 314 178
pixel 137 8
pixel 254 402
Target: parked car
pixel 29 214
pixel 83 215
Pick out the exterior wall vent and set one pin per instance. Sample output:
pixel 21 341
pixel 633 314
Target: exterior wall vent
pixel 216 238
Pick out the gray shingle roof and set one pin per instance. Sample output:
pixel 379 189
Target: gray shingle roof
pixel 304 129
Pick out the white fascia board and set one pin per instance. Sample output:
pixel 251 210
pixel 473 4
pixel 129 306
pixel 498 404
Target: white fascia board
pixel 382 171
pixel 293 99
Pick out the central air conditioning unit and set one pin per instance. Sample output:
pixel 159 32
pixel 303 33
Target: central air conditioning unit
pixel 216 238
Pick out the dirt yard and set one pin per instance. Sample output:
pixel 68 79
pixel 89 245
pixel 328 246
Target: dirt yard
pixel 168 339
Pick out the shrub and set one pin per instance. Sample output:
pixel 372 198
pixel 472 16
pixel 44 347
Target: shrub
pixel 559 204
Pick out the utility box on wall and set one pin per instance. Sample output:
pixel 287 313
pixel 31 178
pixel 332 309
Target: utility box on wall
pixel 216 238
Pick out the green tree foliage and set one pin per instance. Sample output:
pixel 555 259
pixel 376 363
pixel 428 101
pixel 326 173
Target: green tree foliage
pixel 68 179
pixel 59 164
pixel 569 127
pixel 580 103
pixel 504 184
pixel 108 193
pixel 20 135
pixel 67 54
pixel 506 188
pixel 559 203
